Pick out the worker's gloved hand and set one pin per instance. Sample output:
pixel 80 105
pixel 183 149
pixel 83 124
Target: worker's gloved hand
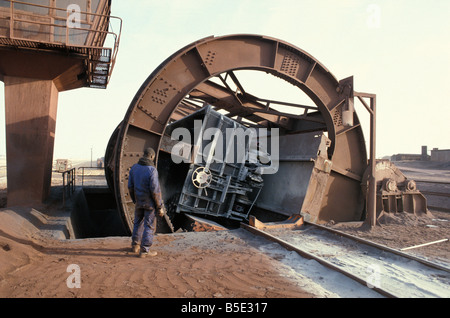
pixel 161 211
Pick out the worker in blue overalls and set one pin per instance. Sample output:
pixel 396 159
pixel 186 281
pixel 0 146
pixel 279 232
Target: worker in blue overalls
pixel 145 191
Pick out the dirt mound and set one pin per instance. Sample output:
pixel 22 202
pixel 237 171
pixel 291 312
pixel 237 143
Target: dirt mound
pixel 405 219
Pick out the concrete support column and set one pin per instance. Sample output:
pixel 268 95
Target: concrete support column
pixel 30 107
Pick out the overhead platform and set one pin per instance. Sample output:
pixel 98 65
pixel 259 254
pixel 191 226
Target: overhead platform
pixel 47 47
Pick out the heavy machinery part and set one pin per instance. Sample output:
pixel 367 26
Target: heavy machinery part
pixel 201 177
pixel 395 192
pixel 300 183
pixel 221 179
pixel 190 70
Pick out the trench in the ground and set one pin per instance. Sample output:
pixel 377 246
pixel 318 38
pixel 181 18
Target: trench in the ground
pixel 95 215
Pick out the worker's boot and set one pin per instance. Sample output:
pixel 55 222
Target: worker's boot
pixel 135 249
pixel 149 253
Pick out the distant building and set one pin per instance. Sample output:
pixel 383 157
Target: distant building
pixel 406 157
pixel 440 155
pixel 412 157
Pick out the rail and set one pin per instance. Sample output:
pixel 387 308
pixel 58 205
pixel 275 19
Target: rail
pixel 432 181
pixel 95 34
pixel 308 255
pixel 439 207
pixel 439 194
pixel 381 247
pixel 336 264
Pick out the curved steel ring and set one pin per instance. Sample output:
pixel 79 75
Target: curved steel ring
pixel 159 96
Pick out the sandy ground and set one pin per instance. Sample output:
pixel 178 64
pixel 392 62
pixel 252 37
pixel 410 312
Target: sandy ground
pixel 222 264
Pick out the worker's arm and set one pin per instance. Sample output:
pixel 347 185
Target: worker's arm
pixel 131 187
pixel 155 190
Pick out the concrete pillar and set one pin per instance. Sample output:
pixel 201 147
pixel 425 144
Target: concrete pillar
pixel 30 116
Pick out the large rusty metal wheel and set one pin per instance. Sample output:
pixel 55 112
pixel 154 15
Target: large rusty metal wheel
pixel 189 71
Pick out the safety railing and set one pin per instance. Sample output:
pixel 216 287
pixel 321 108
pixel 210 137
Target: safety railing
pixel 92 176
pixel 63 29
pixel 69 183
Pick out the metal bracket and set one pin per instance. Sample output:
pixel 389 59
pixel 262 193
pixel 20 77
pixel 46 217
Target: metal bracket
pixel 345 89
pixel 293 222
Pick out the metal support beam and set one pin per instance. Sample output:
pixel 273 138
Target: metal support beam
pixel 372 193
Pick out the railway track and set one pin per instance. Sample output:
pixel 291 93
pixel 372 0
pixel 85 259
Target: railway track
pixel 438 199
pixel 431 181
pixel 445 188
pixel 386 271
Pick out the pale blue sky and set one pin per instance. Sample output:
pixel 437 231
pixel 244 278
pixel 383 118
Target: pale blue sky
pixel 403 57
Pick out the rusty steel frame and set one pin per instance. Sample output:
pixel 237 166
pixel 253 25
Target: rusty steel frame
pixel 192 67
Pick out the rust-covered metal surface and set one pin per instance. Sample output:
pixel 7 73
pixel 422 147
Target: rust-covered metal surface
pixel 187 75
